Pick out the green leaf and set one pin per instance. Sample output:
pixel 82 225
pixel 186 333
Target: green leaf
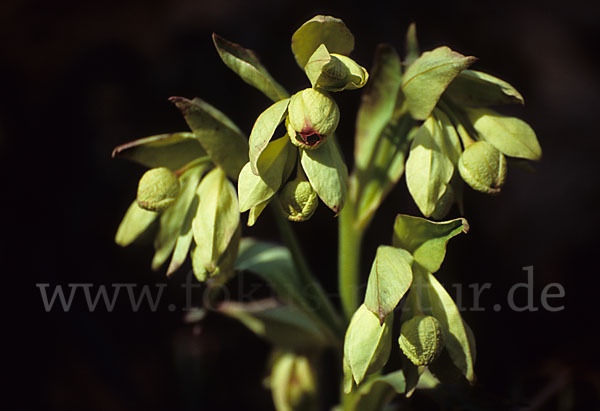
pixel 246 64
pixel 135 222
pixel 274 264
pixel 184 241
pixel 511 135
pixel 452 146
pixel 383 130
pixel 221 138
pixel 321 30
pixel 348 380
pixel 334 72
pixel 367 344
pixel 217 218
pixel 172 219
pixel 376 392
pixel 222 271
pixel 426 79
pixel 426 240
pixel 439 304
pixel 389 280
pixel 428 168
pixel 327 173
pixel 474 88
pixel 412 374
pixel 255 212
pixel 255 189
pixel 412 45
pixel 283 325
pixel 263 130
pixel 171 150
pixel 379 100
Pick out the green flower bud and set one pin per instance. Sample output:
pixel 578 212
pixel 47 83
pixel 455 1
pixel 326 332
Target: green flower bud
pixel 298 200
pixel 157 189
pixel 293 382
pixel 312 116
pixel 421 339
pixel 334 72
pixel 483 167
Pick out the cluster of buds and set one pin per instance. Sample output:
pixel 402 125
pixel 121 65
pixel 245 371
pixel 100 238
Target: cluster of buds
pixel 311 118
pixel 461 138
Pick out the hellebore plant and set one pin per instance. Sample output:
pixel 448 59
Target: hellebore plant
pixel 426 116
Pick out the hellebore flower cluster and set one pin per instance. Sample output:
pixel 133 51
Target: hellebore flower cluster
pixel 460 135
pixel 309 148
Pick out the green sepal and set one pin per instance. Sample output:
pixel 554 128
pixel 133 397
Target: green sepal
pixel 511 135
pixel 255 189
pixel 367 343
pixel 171 150
pixel 389 280
pixel 426 240
pixel 327 30
pixel 327 173
pixel 221 138
pixel 474 88
pixel 428 76
pixel 263 130
pixel 246 64
pixel 334 72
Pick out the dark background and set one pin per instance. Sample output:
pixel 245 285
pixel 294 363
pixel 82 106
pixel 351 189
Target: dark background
pixel 78 78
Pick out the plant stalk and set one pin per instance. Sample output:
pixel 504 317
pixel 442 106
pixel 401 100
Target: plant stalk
pixel 349 251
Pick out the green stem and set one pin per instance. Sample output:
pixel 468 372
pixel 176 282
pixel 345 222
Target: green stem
pixel 349 248
pixel 318 297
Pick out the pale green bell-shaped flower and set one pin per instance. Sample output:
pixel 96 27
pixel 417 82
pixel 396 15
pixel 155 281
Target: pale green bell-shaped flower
pixel 483 167
pixel 312 116
pixel 298 199
pixel 421 339
pixel 157 189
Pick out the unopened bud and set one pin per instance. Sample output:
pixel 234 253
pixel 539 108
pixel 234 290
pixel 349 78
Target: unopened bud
pixel 483 167
pixel 312 116
pixel 421 339
pixel 298 200
pixel 334 72
pixel 157 189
